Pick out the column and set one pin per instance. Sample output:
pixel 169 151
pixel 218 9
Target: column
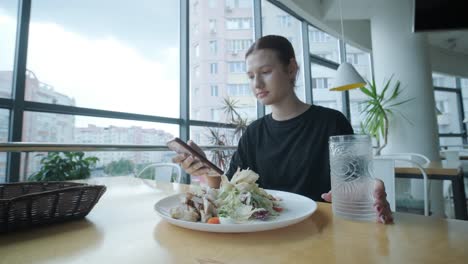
pixel 399 52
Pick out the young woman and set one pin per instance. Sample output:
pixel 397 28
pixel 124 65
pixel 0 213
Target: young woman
pixel 289 147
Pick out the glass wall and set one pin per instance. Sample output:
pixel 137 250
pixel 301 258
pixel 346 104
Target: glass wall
pixel 8 17
pixel 4 120
pixel 361 61
pixel 58 128
pixel 324 45
pixel 327 49
pixel 322 80
pixel 215 136
pixel 450 97
pixel 220 34
pixel 8 26
pixel 105 55
pixel 278 22
pixel 102 80
pixel 444 80
pixel 464 89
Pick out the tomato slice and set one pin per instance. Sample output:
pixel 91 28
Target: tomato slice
pixel 213 220
pixel 278 209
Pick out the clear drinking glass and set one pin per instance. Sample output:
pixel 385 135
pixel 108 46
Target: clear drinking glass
pixel 351 183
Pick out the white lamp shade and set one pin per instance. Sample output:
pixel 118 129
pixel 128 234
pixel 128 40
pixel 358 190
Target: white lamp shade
pixel 347 78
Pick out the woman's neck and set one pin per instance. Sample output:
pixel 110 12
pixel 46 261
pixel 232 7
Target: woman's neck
pixel 288 108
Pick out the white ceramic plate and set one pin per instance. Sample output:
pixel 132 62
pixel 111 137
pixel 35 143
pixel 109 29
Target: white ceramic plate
pixel 296 208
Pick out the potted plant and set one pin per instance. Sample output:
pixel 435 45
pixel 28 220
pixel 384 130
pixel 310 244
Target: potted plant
pixel 64 166
pixel 378 107
pixel 217 136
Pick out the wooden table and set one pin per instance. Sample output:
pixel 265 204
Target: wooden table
pixel 451 171
pixel 123 228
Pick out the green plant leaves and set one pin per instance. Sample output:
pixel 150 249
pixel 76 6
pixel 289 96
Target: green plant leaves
pixel 378 107
pixel 63 166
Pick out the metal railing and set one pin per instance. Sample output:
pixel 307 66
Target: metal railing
pixel 46 147
pixel 28 147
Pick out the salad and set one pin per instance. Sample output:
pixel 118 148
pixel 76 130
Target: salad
pixel 238 200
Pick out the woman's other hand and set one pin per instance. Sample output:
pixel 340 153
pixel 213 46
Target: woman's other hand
pixel 381 205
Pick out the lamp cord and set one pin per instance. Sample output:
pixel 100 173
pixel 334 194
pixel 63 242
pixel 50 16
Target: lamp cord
pixel 341 19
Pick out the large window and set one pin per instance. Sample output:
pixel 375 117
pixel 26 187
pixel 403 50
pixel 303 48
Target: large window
pixel 362 63
pixel 450 101
pixel 4 117
pixel 232 38
pixel 278 22
pixel 444 80
pixel 8 10
pixel 448 114
pixel 464 88
pixel 324 45
pixel 8 17
pixel 83 56
pixel 212 136
pixel 58 128
pixel 322 79
pixel 116 81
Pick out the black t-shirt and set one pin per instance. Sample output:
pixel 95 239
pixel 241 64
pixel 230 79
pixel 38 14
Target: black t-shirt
pixel 291 155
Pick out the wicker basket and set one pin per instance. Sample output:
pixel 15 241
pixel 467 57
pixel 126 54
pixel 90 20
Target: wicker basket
pixel 24 205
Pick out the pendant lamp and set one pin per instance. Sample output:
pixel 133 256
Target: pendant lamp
pixel 347 77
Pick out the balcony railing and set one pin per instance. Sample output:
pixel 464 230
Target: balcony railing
pixel 45 147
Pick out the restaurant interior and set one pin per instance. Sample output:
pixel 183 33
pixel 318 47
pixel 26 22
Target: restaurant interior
pixel 91 92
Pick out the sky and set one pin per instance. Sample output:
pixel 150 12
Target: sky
pixel 105 58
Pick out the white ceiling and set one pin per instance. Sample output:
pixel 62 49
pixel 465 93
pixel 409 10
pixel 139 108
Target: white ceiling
pixel 455 41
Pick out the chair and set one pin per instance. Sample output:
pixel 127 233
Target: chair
pixel 418 161
pixel 168 172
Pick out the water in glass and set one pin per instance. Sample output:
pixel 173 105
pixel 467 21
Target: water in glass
pixel 352 184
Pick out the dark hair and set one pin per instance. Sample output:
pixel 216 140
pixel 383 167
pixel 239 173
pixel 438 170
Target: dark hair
pixel 281 45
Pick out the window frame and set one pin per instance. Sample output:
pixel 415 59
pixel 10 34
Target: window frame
pixel 17 105
pixel 460 108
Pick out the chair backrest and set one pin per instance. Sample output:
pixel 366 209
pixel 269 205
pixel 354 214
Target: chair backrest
pixel 415 157
pixel 165 172
pixel 415 160
pixel 384 169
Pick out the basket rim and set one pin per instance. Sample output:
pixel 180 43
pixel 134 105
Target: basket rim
pixel 81 186
pixel 42 183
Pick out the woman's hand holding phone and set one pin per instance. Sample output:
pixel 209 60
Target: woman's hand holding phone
pixel 192 164
pixel 189 163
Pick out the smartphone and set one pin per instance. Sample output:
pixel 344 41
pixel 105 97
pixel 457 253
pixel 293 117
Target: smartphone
pixel 181 147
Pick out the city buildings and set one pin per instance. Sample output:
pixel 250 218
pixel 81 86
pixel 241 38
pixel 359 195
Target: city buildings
pixel 57 128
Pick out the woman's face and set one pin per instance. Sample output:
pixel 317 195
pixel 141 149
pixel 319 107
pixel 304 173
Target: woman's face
pixel 270 81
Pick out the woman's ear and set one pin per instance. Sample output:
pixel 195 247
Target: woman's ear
pixel 292 68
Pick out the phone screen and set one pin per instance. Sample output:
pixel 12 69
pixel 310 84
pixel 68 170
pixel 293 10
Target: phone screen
pixel 181 147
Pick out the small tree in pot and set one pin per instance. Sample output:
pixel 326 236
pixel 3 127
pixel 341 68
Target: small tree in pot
pixel 377 109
